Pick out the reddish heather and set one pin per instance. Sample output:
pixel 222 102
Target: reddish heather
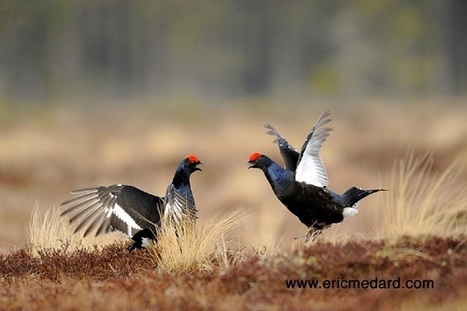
pixel 111 278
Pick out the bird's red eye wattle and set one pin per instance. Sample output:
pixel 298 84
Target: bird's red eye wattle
pixel 192 158
pixel 254 156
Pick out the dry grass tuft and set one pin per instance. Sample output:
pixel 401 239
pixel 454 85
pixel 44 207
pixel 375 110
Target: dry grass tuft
pixel 47 231
pixel 422 202
pixel 50 231
pixel 190 247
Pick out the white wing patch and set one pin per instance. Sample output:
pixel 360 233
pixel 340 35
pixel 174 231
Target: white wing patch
pixel 174 210
pixel 92 209
pixel 177 205
pixel 310 169
pixel 118 211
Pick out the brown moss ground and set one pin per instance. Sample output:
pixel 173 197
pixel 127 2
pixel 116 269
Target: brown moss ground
pixel 111 278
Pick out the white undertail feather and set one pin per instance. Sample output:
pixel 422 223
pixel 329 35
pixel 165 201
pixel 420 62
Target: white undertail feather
pixel 147 242
pixel 310 169
pixel 349 211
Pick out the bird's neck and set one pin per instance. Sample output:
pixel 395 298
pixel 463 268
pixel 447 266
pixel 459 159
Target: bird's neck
pixel 279 178
pixel 181 179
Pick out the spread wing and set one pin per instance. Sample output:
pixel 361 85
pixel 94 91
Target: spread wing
pixel 310 169
pixel 178 205
pixel 117 207
pixel 288 152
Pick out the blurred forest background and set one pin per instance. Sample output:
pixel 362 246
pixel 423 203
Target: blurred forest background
pixel 51 51
pixel 96 92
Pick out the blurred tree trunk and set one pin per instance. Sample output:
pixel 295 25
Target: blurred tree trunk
pixel 454 47
pixel 286 61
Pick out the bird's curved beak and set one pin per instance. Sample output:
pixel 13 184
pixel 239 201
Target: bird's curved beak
pixel 197 168
pixel 250 165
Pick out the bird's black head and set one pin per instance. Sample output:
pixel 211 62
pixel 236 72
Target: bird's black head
pixel 185 169
pixel 191 163
pixel 257 160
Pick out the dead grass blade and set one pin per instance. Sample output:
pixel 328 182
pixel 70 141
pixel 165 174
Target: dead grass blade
pixel 422 202
pixel 48 230
pixel 185 246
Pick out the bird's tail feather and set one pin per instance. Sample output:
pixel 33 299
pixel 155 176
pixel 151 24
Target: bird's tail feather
pixel 354 194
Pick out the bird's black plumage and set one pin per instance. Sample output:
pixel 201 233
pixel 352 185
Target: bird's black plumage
pixel 302 187
pixel 288 152
pixel 128 209
pixel 143 239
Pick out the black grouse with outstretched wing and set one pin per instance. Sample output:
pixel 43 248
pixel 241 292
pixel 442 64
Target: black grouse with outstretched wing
pixel 130 210
pixel 302 185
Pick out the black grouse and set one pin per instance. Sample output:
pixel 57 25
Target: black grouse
pixel 130 210
pixel 302 185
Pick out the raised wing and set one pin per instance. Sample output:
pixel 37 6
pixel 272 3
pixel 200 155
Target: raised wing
pixel 288 152
pixel 310 169
pixel 179 205
pixel 117 207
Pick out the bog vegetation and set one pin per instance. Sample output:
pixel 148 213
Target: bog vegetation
pixel 415 231
pixel 421 203
pixel 204 264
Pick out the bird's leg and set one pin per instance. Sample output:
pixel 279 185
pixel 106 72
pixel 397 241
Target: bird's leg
pixel 313 234
pixel 315 230
pixel 300 236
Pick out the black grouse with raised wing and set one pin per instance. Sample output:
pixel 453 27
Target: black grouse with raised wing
pixel 302 185
pixel 130 210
